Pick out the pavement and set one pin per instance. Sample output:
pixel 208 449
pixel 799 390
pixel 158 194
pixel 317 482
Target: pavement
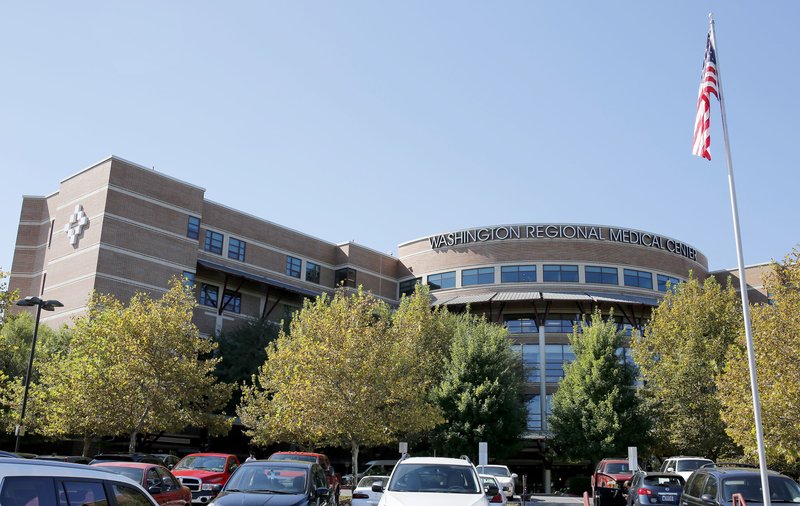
pixel 550 500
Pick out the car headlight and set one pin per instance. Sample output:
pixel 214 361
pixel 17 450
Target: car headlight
pixel 208 486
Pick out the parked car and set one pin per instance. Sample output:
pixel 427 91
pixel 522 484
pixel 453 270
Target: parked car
pixel 684 465
pixel 607 482
pixel 156 479
pixel 334 480
pixel 504 476
pixel 363 495
pixel 205 473
pixel 489 480
pixel 27 482
pixel 10 455
pixel 434 481
pixel 655 488
pixel 75 459
pixel 714 486
pixel 371 468
pixel 167 459
pixel 126 457
pixel 276 483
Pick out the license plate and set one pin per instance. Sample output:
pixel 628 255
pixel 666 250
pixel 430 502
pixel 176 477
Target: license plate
pixel 671 498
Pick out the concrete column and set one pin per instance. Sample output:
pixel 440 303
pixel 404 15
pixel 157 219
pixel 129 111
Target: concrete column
pixel 547 488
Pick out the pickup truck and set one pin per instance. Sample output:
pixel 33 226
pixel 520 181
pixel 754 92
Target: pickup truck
pixel 205 474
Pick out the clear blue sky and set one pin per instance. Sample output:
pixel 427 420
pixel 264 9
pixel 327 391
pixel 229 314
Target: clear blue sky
pixel 382 122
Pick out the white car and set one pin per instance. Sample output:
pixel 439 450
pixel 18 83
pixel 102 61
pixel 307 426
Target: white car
pixel 491 481
pixel 503 475
pixel 26 482
pixel 434 481
pixel 364 495
pixel 684 466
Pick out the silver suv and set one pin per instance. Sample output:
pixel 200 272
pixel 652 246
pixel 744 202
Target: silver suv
pixel 684 466
pixel 26 482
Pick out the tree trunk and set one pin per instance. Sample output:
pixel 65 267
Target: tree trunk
pixel 354 454
pixel 87 445
pixel 132 444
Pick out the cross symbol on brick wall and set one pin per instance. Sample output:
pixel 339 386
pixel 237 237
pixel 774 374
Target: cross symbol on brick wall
pixel 77 220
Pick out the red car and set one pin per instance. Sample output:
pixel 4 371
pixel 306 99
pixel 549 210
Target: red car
pixel 205 473
pixel 162 485
pixel 607 481
pixel 334 480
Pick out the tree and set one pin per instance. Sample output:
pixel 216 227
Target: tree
pixel 481 394
pixel 595 409
pixel 347 374
pixel 776 341
pixel 135 369
pixel 680 356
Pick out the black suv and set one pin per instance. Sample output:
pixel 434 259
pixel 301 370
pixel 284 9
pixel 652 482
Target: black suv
pixel 127 457
pixel 709 486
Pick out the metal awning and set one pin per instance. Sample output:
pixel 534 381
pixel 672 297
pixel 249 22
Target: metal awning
pixel 580 297
pixel 257 278
pixel 471 299
pixel 618 298
pixel 515 296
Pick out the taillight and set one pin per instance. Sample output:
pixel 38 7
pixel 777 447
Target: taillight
pixel 360 495
pixel 496 499
pixel 644 491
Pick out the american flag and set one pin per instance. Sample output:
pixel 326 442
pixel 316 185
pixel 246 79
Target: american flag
pixel 708 86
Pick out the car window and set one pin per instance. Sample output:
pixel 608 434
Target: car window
pixel 167 480
pixel 690 464
pixel 368 481
pixel 27 491
pixel 129 496
pixel 667 464
pixel 617 468
pixel 319 478
pixel 695 485
pixel 710 487
pixel 153 480
pixel 85 493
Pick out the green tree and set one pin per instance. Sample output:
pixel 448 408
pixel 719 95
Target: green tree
pixel 481 394
pixel 135 369
pixel 680 355
pixel 344 375
pixel 595 410
pixel 776 341
pixel 242 351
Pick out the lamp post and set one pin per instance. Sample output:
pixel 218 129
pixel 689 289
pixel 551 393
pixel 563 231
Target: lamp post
pixel 47 305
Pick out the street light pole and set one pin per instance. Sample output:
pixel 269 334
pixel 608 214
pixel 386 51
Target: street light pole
pixel 47 305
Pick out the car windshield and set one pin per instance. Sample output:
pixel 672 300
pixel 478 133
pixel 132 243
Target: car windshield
pixel 268 478
pixel 369 481
pixel 204 463
pixel 133 473
pixel 617 468
pixel 690 465
pixel 446 478
pixel 495 470
pixel 289 456
pixel 781 489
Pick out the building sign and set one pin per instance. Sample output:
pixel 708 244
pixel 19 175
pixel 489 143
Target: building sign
pixel 77 221
pixel 562 231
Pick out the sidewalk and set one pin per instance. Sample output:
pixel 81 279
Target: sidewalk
pixel 550 500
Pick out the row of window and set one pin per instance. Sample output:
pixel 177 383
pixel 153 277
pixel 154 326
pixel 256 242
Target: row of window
pixel 209 296
pixel 556 358
pixel 214 241
pixel 550 274
pixel 556 323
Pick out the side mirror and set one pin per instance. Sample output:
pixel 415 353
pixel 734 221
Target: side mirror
pixel 670 469
pixel 708 499
pixel 514 475
pixel 492 490
pixel 216 488
pixel 321 491
pixel 377 488
pixel 155 489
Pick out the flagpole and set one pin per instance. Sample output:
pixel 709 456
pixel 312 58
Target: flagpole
pixel 762 458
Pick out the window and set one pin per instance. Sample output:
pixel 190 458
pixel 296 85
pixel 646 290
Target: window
pixel 625 356
pixel 408 286
pixel 561 273
pixel 208 295
pixel 560 323
pixel 518 274
pixel 129 496
pixel 482 276
pixel 642 279
pixel 556 357
pixel 188 278
pixel 236 249
pixel 28 490
pixel 604 275
pixel 293 266
pixel 530 361
pixel 521 324
pixel 534 407
pixel 50 237
pixel 312 272
pixel 443 280
pixel 193 228
pixel 232 301
pixel 664 279
pixel 85 493
pixel 213 242
pixel 345 277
